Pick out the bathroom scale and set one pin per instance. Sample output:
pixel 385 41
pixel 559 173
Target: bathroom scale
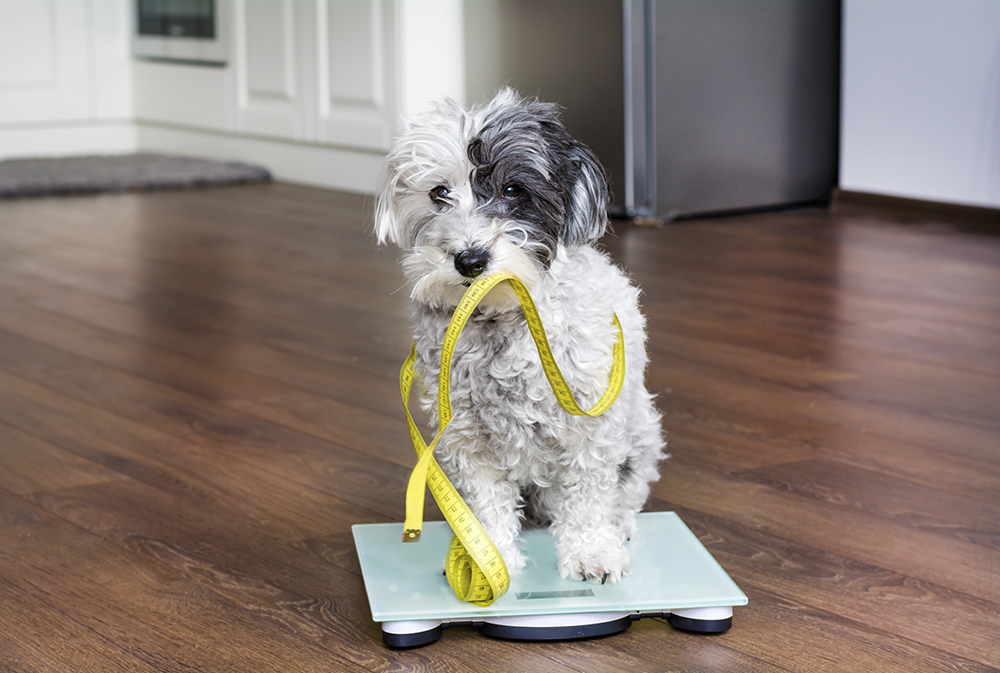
pixel 672 577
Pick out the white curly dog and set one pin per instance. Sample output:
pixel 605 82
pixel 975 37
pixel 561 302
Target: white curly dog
pixel 503 188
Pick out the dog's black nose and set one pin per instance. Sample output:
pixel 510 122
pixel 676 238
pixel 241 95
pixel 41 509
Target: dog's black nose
pixel 471 263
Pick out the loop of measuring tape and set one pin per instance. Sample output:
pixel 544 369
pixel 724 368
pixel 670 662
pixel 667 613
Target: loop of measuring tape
pixel 475 569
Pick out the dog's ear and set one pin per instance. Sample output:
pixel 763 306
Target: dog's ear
pixel 386 222
pixel 391 188
pixel 587 205
pixel 586 192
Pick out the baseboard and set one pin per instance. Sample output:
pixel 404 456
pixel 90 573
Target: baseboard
pixel 70 139
pixel 314 165
pixel 845 201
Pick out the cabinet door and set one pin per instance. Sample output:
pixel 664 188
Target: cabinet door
pixel 356 74
pixel 44 61
pixel 271 65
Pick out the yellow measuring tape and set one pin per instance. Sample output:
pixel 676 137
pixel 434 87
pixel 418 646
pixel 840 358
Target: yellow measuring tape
pixel 475 569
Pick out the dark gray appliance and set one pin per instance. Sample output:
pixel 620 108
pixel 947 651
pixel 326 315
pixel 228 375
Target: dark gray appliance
pixel 730 104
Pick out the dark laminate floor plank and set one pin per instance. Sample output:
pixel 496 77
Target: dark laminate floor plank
pixel 209 364
pixel 193 419
pixel 19 354
pixel 179 318
pixel 36 637
pixel 700 267
pixel 876 336
pixel 744 399
pixel 650 644
pixel 209 377
pixel 896 499
pixel 722 441
pixel 851 257
pixel 159 617
pixel 28 464
pixel 263 489
pixel 234 305
pixel 760 436
pixel 852 374
pixel 924 620
pixel 925 556
pixel 812 641
pixel 729 444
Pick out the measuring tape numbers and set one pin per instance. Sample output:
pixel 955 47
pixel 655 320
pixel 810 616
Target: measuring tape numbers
pixel 475 569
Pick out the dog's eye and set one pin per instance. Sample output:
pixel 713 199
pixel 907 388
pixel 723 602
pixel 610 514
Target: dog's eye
pixel 512 191
pixel 439 193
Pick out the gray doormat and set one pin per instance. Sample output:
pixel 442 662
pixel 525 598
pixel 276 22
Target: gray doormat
pixel 129 172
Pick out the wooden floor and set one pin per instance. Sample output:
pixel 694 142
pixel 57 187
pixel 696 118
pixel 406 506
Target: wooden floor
pixel 198 398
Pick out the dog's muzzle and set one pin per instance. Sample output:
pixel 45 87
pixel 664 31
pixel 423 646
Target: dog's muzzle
pixel 472 263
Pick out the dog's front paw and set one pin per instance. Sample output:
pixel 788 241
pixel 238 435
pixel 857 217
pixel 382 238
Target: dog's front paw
pixel 598 565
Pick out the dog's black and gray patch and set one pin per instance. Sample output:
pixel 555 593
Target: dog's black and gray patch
pixel 624 471
pixel 528 168
pixel 533 518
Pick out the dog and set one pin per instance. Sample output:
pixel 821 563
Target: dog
pixel 504 188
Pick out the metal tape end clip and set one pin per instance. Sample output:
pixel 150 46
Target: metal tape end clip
pixel 411 535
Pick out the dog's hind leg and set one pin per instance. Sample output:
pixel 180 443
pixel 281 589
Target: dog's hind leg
pixel 634 477
pixel 639 469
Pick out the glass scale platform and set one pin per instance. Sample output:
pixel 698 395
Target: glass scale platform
pixel 672 576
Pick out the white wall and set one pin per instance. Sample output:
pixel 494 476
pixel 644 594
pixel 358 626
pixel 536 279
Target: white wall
pixel 921 99
pixel 65 83
pixel 431 55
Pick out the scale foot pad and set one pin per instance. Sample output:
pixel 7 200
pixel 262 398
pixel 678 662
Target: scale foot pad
pixel 702 620
pixel 411 633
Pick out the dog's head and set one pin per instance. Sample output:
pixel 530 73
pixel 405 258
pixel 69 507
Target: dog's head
pixel 495 189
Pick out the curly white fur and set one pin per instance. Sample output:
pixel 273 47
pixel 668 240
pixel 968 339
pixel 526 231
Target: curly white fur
pixel 506 182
